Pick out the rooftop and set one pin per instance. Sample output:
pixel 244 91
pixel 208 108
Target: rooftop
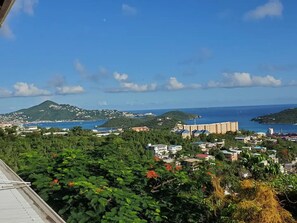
pixel 5 6
pixel 19 203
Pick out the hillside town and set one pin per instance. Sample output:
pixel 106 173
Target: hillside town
pixel 251 144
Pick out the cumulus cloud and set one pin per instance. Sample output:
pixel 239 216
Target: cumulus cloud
pixel 58 82
pixel 120 77
pixel 19 7
pixel 22 89
pixel 273 8
pixel 238 79
pixel 174 84
pixel 128 86
pixel 128 10
pixel 70 90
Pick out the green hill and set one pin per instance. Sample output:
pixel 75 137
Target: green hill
pixel 165 121
pixel 288 116
pixel 51 111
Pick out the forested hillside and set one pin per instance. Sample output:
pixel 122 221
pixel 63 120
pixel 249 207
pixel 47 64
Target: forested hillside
pixel 165 121
pixel 88 179
pixel 51 111
pixel 288 116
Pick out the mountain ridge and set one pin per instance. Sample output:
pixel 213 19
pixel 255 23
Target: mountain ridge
pixel 52 111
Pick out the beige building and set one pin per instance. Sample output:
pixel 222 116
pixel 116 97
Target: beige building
pixel 4 125
pixel 141 129
pixel 219 128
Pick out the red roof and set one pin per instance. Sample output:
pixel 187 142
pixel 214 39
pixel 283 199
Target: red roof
pixel 202 156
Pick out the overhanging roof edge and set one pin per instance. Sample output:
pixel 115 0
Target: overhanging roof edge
pixel 4 10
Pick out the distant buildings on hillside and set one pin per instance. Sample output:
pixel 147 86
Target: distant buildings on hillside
pixel 196 130
pixel 163 151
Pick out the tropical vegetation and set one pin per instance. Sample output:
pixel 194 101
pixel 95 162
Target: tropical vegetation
pixel 287 116
pixel 115 179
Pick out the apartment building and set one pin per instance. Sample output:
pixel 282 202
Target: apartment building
pixel 219 128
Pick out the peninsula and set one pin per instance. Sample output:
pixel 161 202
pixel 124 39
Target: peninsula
pixel 288 116
pixel 165 121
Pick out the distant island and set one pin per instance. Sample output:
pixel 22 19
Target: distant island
pixel 49 111
pixel 52 111
pixel 165 121
pixel 288 116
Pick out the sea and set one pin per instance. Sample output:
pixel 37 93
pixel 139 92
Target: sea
pixel 242 114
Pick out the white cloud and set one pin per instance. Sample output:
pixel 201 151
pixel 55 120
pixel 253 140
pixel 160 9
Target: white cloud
pixel 24 90
pixel 129 10
pixel 238 79
pixel 120 77
pixel 129 86
pixel 174 84
pixel 70 90
pixel 267 81
pixel 273 8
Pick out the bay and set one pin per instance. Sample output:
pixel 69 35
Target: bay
pixel 242 114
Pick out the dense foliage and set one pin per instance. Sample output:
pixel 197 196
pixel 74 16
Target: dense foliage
pixel 115 179
pixel 165 121
pixel 288 116
pixel 51 111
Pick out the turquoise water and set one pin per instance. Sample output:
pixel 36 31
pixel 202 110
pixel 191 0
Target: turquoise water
pixel 242 114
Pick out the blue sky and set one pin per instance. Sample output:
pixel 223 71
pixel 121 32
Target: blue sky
pixel 140 54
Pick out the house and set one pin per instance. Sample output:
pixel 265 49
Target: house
pixel 173 149
pixel 192 163
pixel 231 156
pixel 5 125
pixel 197 133
pixel 206 157
pixel 184 133
pixel 237 151
pixel 201 146
pixel 244 139
pixel 159 150
pixel 140 129
pixel 260 134
pixel 273 158
pixel 206 146
pixel 259 149
pixel 55 133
